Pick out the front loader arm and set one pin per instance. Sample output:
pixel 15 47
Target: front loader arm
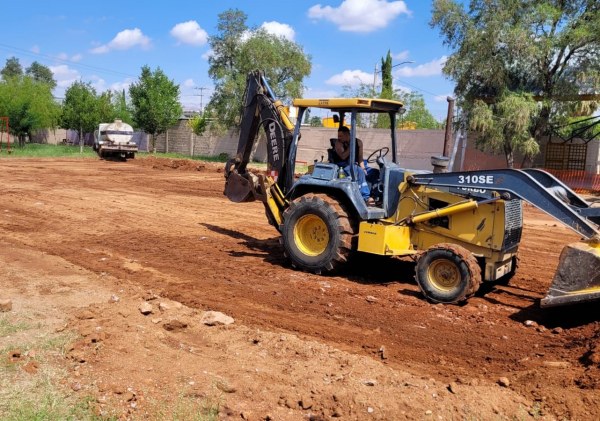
pixel 260 108
pixel 559 202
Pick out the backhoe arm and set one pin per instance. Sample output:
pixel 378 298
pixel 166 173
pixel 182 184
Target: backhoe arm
pixel 260 108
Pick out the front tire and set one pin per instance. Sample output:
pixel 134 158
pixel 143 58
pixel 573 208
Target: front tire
pixel 317 233
pixel 448 273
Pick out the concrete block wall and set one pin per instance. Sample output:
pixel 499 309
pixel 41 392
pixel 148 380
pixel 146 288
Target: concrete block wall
pixel 415 147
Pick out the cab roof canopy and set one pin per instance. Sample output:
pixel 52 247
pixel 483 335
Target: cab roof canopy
pixel 363 105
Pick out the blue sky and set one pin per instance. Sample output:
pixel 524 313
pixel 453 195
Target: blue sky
pixel 106 43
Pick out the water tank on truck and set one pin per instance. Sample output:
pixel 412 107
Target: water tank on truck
pixel 114 140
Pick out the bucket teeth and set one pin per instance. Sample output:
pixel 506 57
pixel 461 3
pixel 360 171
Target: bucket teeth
pixel 577 277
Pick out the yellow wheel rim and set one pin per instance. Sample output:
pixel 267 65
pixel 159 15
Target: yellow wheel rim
pixel 444 275
pixel 311 235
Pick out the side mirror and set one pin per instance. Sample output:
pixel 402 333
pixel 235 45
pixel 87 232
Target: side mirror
pixel 336 118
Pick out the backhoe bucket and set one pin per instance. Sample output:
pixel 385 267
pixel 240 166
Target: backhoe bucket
pixel 577 277
pixel 240 188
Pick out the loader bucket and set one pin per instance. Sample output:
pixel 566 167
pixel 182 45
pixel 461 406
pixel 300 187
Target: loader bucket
pixel 577 277
pixel 240 188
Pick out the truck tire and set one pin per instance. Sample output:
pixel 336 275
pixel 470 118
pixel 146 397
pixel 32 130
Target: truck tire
pixel 448 273
pixel 317 233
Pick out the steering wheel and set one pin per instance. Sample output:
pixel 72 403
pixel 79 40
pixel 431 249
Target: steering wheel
pixel 378 153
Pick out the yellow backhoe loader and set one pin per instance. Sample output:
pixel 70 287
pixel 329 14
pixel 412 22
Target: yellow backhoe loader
pixel 462 228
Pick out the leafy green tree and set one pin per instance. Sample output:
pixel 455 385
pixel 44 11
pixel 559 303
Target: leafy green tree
pixel 105 107
pixel 307 116
pixel 547 48
pixel 12 69
pixel 225 45
pixel 387 89
pixel 41 73
pixel 80 109
pixel 235 54
pixel 198 124
pixel 122 109
pixel 155 103
pixel 505 125
pixel 29 105
pixel 417 112
pixel 316 121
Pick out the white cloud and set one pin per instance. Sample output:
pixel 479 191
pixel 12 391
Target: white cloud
pixel 64 75
pixel 65 57
pixel 402 55
pixel 98 83
pixel 280 29
pixel 208 54
pixel 189 33
pixel 125 40
pixel 319 93
pixel 35 49
pixel 433 68
pixel 360 15
pixel 188 83
pixel 351 78
pixel 402 89
pixel 120 86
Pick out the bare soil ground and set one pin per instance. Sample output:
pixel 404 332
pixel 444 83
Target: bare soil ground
pixel 85 243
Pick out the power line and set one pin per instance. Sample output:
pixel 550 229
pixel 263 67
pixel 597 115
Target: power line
pixel 418 89
pixel 69 62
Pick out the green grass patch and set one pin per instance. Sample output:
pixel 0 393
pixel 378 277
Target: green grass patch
pixel 8 327
pixel 37 150
pixel 50 406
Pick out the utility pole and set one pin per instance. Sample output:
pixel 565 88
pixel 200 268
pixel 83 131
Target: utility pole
pixel 449 118
pixel 374 79
pixel 200 89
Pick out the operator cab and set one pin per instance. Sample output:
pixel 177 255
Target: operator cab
pixel 381 164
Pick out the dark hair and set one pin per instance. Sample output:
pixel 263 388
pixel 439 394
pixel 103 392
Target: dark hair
pixel 344 129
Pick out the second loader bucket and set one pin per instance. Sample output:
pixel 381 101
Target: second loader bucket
pixel 577 277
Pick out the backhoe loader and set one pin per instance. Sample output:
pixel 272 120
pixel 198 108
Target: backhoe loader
pixel 461 228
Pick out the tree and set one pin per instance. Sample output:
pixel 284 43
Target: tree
pixel 122 109
pixel 29 105
pixel 307 116
pixel 238 50
pixel 80 109
pixel 547 48
pixel 198 124
pixel 316 121
pixel 417 112
pixel 387 89
pixel 155 103
pixel 12 69
pixel 505 125
pixel 41 73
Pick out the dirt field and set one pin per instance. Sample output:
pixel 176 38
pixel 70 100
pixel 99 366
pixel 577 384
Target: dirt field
pixel 85 243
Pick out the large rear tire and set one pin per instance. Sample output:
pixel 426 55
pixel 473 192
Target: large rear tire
pixel 317 233
pixel 448 273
